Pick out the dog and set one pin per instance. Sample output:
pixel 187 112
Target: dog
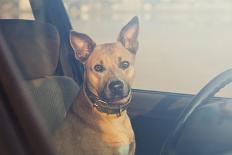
pixel 97 123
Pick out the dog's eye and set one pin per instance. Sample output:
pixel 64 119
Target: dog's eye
pixel 99 68
pixel 124 64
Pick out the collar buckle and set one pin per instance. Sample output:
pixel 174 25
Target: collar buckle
pixel 120 110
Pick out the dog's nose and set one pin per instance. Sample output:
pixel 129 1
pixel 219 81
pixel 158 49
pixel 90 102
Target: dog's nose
pixel 116 87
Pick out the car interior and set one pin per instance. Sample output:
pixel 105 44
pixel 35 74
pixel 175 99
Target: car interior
pixel 39 52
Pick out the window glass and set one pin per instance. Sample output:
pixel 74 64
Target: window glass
pixel 183 43
pixel 14 9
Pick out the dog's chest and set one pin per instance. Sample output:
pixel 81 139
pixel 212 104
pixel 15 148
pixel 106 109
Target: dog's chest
pixel 123 150
pixel 126 149
pixel 82 134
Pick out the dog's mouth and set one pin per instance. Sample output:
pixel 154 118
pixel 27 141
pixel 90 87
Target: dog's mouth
pixel 115 105
pixel 116 98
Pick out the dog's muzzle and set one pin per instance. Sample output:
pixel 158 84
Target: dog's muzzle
pixel 106 107
pixel 114 91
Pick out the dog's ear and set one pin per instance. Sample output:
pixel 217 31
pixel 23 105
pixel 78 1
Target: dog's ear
pixel 82 45
pixel 129 35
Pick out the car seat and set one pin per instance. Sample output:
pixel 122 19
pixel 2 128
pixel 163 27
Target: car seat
pixel 35 48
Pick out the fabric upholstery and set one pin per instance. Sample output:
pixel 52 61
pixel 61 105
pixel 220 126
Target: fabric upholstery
pixel 35 48
pixel 53 96
pixel 34 45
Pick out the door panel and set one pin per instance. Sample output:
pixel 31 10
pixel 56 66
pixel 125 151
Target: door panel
pixel 154 115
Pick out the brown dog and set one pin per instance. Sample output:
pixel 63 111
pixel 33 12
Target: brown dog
pixel 97 123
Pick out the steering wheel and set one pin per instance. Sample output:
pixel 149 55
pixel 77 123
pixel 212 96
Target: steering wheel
pixel 214 86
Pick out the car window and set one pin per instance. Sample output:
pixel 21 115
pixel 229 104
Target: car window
pixel 183 43
pixel 15 9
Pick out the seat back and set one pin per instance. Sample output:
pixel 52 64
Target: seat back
pixel 35 48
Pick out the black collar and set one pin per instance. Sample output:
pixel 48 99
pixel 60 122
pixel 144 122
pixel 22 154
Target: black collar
pixel 103 106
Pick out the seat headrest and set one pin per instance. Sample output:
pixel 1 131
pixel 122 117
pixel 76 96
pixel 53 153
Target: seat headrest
pixel 34 45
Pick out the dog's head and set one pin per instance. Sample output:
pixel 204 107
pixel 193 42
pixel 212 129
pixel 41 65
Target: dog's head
pixel 109 67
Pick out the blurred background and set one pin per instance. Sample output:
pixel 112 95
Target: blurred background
pixel 183 43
